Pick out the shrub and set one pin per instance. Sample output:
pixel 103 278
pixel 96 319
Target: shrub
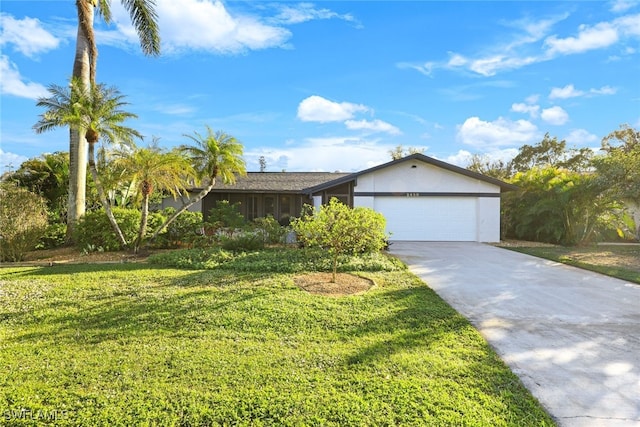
pixel 23 220
pixel 243 242
pixel 274 260
pixel 341 230
pixel 225 217
pixel 54 236
pixel 94 230
pixel 270 229
pixel 184 229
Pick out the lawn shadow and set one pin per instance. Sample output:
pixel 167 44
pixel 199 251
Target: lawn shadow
pixel 179 305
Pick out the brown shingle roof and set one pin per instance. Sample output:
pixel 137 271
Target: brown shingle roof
pixel 278 182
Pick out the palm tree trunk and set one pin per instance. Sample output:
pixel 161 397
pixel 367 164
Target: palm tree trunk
pixel 183 208
pixel 103 198
pixel 143 222
pixel 77 180
pixel 82 65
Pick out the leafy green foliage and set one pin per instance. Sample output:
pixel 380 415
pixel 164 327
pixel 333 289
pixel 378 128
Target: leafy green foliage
pixel 557 206
pixel 341 230
pixel 54 236
pixel 23 220
pixel 245 241
pixel 131 344
pixel 270 229
pixel 274 260
pixel 185 230
pixel 95 230
pixel 47 176
pixel 225 217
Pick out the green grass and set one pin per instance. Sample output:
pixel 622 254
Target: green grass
pixel 136 344
pixel 593 258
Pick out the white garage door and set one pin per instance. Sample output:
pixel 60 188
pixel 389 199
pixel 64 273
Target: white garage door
pixel 429 218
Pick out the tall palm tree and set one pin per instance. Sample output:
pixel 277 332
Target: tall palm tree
pixel 216 155
pixel 154 169
pixel 144 18
pixel 97 113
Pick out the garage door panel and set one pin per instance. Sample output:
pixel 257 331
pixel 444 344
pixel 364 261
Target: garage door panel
pixel 429 218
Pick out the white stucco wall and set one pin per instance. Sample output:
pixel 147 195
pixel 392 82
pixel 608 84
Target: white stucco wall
pixel 424 177
pixel 488 219
pixel 417 212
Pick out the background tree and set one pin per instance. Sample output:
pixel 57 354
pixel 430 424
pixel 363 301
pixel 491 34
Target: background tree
pixel 619 170
pixel 23 220
pixel 47 175
pixel 341 230
pixel 550 152
pixel 144 19
pixel 214 156
pixel 494 168
pixel 154 169
pixel 399 152
pixel 557 206
pixel 97 111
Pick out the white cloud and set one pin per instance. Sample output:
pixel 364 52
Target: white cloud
pixel 499 133
pixel 204 25
pixel 569 91
pixel 604 90
pixel 374 126
pixel 524 48
pixel 622 5
pixel 344 154
pixel 532 99
pixel 555 116
pixel 580 137
pixel 303 12
pixel 601 35
pixel 463 157
pixel 425 68
pixel 490 66
pixel 26 35
pixel 12 82
pixel 532 110
pixel 10 161
pixel 318 109
pixel 565 92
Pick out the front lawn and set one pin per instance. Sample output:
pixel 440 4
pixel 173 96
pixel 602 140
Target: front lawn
pixel 621 261
pixel 138 344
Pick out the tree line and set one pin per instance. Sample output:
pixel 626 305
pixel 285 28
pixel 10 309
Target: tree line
pixel 571 195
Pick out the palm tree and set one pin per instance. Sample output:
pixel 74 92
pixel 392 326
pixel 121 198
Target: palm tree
pixel 216 155
pixel 144 18
pixel 97 113
pixel 154 169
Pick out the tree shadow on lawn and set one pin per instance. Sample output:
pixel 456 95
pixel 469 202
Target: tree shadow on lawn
pixel 134 310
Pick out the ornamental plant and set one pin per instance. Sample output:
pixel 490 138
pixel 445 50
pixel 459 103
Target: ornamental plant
pixel 341 230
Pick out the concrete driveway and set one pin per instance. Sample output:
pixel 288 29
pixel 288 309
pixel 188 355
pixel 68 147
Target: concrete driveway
pixel 573 337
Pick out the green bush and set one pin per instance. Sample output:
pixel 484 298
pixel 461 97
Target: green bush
pixel 94 229
pixel 274 260
pixel 341 230
pixel 185 229
pixel 23 220
pixel 225 217
pixel 54 236
pixel 270 229
pixel 243 242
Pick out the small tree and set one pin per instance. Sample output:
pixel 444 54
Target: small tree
pixel 23 220
pixel 226 217
pixel 341 230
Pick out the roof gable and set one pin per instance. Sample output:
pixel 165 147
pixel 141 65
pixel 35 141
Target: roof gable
pixel 420 157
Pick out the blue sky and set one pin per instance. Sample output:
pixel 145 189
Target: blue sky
pixel 326 86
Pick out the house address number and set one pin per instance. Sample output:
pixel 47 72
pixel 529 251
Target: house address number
pixel 413 194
